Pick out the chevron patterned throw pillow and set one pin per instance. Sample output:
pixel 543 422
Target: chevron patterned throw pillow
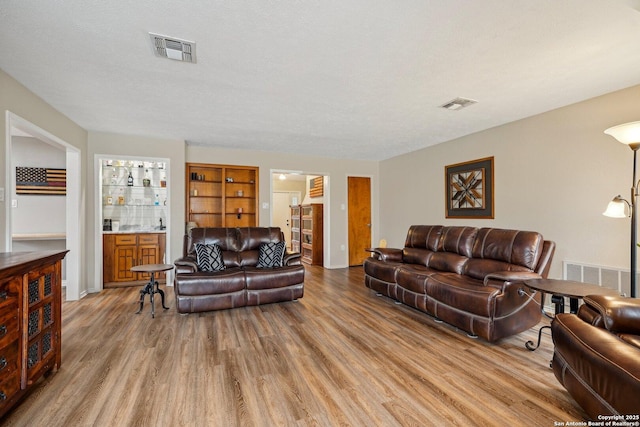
pixel 209 257
pixel 271 255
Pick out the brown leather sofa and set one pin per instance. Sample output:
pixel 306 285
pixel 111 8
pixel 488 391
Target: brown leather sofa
pixel 468 277
pixel 241 283
pixel 597 355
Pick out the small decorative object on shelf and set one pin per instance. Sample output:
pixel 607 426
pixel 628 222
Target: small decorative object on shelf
pixel 130 180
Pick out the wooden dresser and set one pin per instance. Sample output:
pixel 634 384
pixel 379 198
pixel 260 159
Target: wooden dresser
pixel 30 320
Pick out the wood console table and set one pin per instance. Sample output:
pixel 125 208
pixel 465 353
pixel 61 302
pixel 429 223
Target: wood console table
pixel 30 320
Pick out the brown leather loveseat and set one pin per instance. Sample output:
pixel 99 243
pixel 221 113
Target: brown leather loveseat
pixel 242 280
pixel 597 356
pixel 468 277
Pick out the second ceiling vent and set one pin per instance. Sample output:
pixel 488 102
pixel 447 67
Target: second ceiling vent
pixel 173 48
pixel 458 104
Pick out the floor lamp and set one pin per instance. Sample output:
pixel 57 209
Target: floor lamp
pixel 628 133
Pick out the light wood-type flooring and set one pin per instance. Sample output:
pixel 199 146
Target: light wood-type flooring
pixel 340 356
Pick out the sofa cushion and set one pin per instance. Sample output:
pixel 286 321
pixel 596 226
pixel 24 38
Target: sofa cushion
pixel 521 248
pixel 457 240
pixel 419 256
pixel 210 282
pixel 462 293
pixel 414 278
pixel 250 239
pixel 479 268
pixel 381 270
pixel 209 257
pixel 281 277
pixel 503 250
pixel 226 238
pixel 447 261
pixel 271 255
pixel 423 236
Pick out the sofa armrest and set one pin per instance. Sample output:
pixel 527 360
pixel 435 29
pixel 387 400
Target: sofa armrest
pixel 386 254
pixel 292 258
pixel 620 315
pixel 505 277
pixel 186 264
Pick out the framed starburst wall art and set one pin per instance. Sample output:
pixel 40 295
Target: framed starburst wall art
pixel 469 189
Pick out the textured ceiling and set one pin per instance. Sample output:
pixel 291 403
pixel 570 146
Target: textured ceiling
pixel 356 79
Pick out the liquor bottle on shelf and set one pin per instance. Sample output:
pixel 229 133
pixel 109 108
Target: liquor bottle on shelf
pixel 130 180
pixel 146 181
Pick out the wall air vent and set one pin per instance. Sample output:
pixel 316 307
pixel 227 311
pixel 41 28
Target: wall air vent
pixel 458 104
pixel 173 48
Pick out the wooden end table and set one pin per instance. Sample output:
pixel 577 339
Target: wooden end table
pixel 559 289
pixel 152 287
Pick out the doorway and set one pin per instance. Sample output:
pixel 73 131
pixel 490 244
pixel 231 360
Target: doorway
pixel 359 218
pixel 292 188
pixel 282 202
pixel 19 126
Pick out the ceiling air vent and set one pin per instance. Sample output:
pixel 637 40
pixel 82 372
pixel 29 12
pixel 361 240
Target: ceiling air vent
pixel 173 48
pixel 458 104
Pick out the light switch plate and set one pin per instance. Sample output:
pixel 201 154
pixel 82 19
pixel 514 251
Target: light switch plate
pixel 265 205
pixel 14 203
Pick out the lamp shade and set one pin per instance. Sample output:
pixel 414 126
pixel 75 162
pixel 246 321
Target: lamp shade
pixel 627 133
pixel 615 208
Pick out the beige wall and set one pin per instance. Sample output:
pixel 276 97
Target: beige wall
pixel 290 185
pixel 19 101
pixel 554 173
pixel 143 147
pixel 336 171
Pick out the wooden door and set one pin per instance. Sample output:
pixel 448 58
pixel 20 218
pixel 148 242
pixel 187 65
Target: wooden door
pixel 359 199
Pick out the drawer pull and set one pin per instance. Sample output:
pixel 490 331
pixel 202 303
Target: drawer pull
pixel 3 363
pixel 3 396
pixel 3 295
pixel 3 330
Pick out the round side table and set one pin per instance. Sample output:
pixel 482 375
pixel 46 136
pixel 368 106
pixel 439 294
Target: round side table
pixel 152 287
pixel 559 289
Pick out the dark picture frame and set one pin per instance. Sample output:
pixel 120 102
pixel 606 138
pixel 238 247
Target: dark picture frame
pixel 469 189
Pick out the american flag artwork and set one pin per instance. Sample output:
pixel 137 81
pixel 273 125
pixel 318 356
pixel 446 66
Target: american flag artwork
pixel 46 181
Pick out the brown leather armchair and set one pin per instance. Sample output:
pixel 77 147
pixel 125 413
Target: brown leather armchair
pixel 597 355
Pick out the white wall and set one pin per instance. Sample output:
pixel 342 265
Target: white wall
pixel 38 213
pixel 335 171
pixel 554 173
